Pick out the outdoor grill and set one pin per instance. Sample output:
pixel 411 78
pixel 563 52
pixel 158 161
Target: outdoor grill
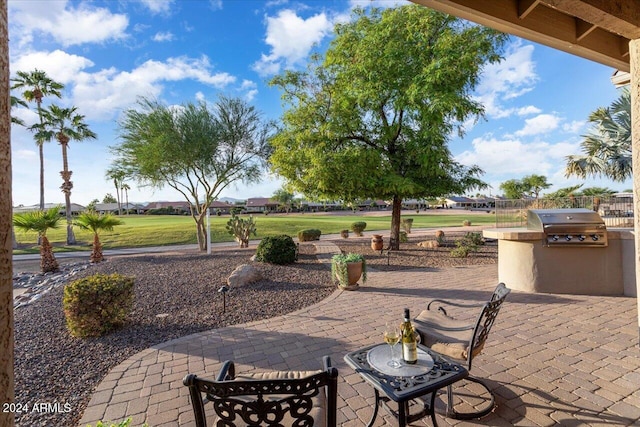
pixel 569 227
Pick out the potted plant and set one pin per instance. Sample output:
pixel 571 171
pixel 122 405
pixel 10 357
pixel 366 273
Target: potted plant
pixel 347 270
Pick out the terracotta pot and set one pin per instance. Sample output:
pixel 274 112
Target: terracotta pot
pixel 354 271
pixel 377 243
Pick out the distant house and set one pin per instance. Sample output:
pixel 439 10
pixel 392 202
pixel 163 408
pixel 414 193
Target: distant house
pixel 261 204
pixel 178 207
pixel 112 208
pixel 75 208
pixel 222 207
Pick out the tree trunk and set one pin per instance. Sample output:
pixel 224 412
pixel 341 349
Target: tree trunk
pixel 7 393
pixel 41 154
pixel 48 261
pixel 394 241
pixel 67 185
pixel 201 232
pixel 96 251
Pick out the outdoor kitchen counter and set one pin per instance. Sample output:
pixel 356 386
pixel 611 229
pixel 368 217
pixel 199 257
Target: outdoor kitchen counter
pixel 525 264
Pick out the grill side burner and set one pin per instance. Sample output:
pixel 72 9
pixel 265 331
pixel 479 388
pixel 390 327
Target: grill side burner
pixel 569 227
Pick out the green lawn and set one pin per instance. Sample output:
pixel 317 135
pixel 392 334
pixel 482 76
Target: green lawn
pixel 160 230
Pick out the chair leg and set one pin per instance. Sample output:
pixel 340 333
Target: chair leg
pixel 451 411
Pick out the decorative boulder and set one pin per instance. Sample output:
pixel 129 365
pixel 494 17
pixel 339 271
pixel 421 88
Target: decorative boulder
pixel 429 244
pixel 243 275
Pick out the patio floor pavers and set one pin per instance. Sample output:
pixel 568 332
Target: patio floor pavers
pixel 567 360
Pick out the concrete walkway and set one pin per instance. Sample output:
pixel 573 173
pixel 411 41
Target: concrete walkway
pixel 551 359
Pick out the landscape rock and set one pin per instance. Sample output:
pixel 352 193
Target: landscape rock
pixel 429 244
pixel 244 274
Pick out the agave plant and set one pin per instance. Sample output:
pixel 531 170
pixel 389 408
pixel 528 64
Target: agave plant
pixel 41 222
pixel 95 222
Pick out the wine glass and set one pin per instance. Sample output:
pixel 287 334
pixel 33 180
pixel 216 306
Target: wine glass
pixel 391 337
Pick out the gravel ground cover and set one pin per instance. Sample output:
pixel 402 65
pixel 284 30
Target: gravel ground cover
pixel 411 255
pixel 51 367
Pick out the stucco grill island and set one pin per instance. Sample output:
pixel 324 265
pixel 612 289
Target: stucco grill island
pixel 566 251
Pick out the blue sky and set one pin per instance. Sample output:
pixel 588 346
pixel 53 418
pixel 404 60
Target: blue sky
pixel 107 53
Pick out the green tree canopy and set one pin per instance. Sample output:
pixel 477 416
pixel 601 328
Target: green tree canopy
pixel 530 185
pixel 108 198
pixel 373 118
pixel 196 150
pixel 607 147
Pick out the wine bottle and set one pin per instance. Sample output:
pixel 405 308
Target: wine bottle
pixel 409 343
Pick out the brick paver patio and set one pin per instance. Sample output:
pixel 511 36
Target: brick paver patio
pixel 551 359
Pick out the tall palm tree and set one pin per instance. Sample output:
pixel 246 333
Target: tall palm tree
pixel 118 175
pixel 607 148
pixel 64 124
pixel 36 85
pixel 41 222
pixel 125 187
pixel 94 222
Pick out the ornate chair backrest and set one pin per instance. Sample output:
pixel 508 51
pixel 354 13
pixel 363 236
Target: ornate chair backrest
pixel 485 321
pixel 264 402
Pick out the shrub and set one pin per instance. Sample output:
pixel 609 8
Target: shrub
pixel 277 250
pixel 466 223
pixel 403 237
pixel 465 246
pixel 358 227
pixel 344 234
pixel 310 234
pixel 474 238
pixel 95 305
pixel 241 229
pixel 406 224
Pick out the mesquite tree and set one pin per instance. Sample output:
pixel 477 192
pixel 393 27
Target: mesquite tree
pixel 196 150
pixel 373 117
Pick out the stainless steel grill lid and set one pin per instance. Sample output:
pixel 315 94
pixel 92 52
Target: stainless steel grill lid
pixel 569 227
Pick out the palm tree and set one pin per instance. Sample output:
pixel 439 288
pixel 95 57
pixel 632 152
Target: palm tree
pixel 65 125
pixel 117 175
pixel 41 222
pixel 125 187
pixel 37 85
pixel 607 148
pixel 94 222
pixel 15 101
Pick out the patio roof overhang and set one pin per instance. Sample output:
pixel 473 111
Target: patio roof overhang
pixel 605 31
pixel 599 30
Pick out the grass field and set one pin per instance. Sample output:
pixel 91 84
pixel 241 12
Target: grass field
pixel 160 230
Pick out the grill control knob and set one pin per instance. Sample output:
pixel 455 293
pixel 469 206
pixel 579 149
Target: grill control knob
pixel 594 237
pixel 582 237
pixel 555 237
pixel 567 238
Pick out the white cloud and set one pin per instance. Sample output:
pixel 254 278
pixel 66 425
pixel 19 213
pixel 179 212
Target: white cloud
pixel 59 65
pixel 529 109
pixel 102 94
pixel 250 88
pixel 540 124
pixel 200 96
pixel 514 157
pixel 509 79
pixel 291 38
pixel 163 36
pixel 158 6
pixel 66 24
pixel 575 126
pixel 215 4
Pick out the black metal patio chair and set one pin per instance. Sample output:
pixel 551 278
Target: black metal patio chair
pixel 460 340
pixel 280 398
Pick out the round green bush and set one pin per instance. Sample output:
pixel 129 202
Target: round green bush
pixel 310 234
pixel 277 250
pixel 358 227
pixel 97 304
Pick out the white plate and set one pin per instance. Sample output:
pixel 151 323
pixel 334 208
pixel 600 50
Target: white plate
pixel 379 355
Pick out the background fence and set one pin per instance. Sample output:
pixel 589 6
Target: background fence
pixel 616 211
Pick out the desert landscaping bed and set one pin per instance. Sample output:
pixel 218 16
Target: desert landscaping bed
pixel 411 255
pixel 176 295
